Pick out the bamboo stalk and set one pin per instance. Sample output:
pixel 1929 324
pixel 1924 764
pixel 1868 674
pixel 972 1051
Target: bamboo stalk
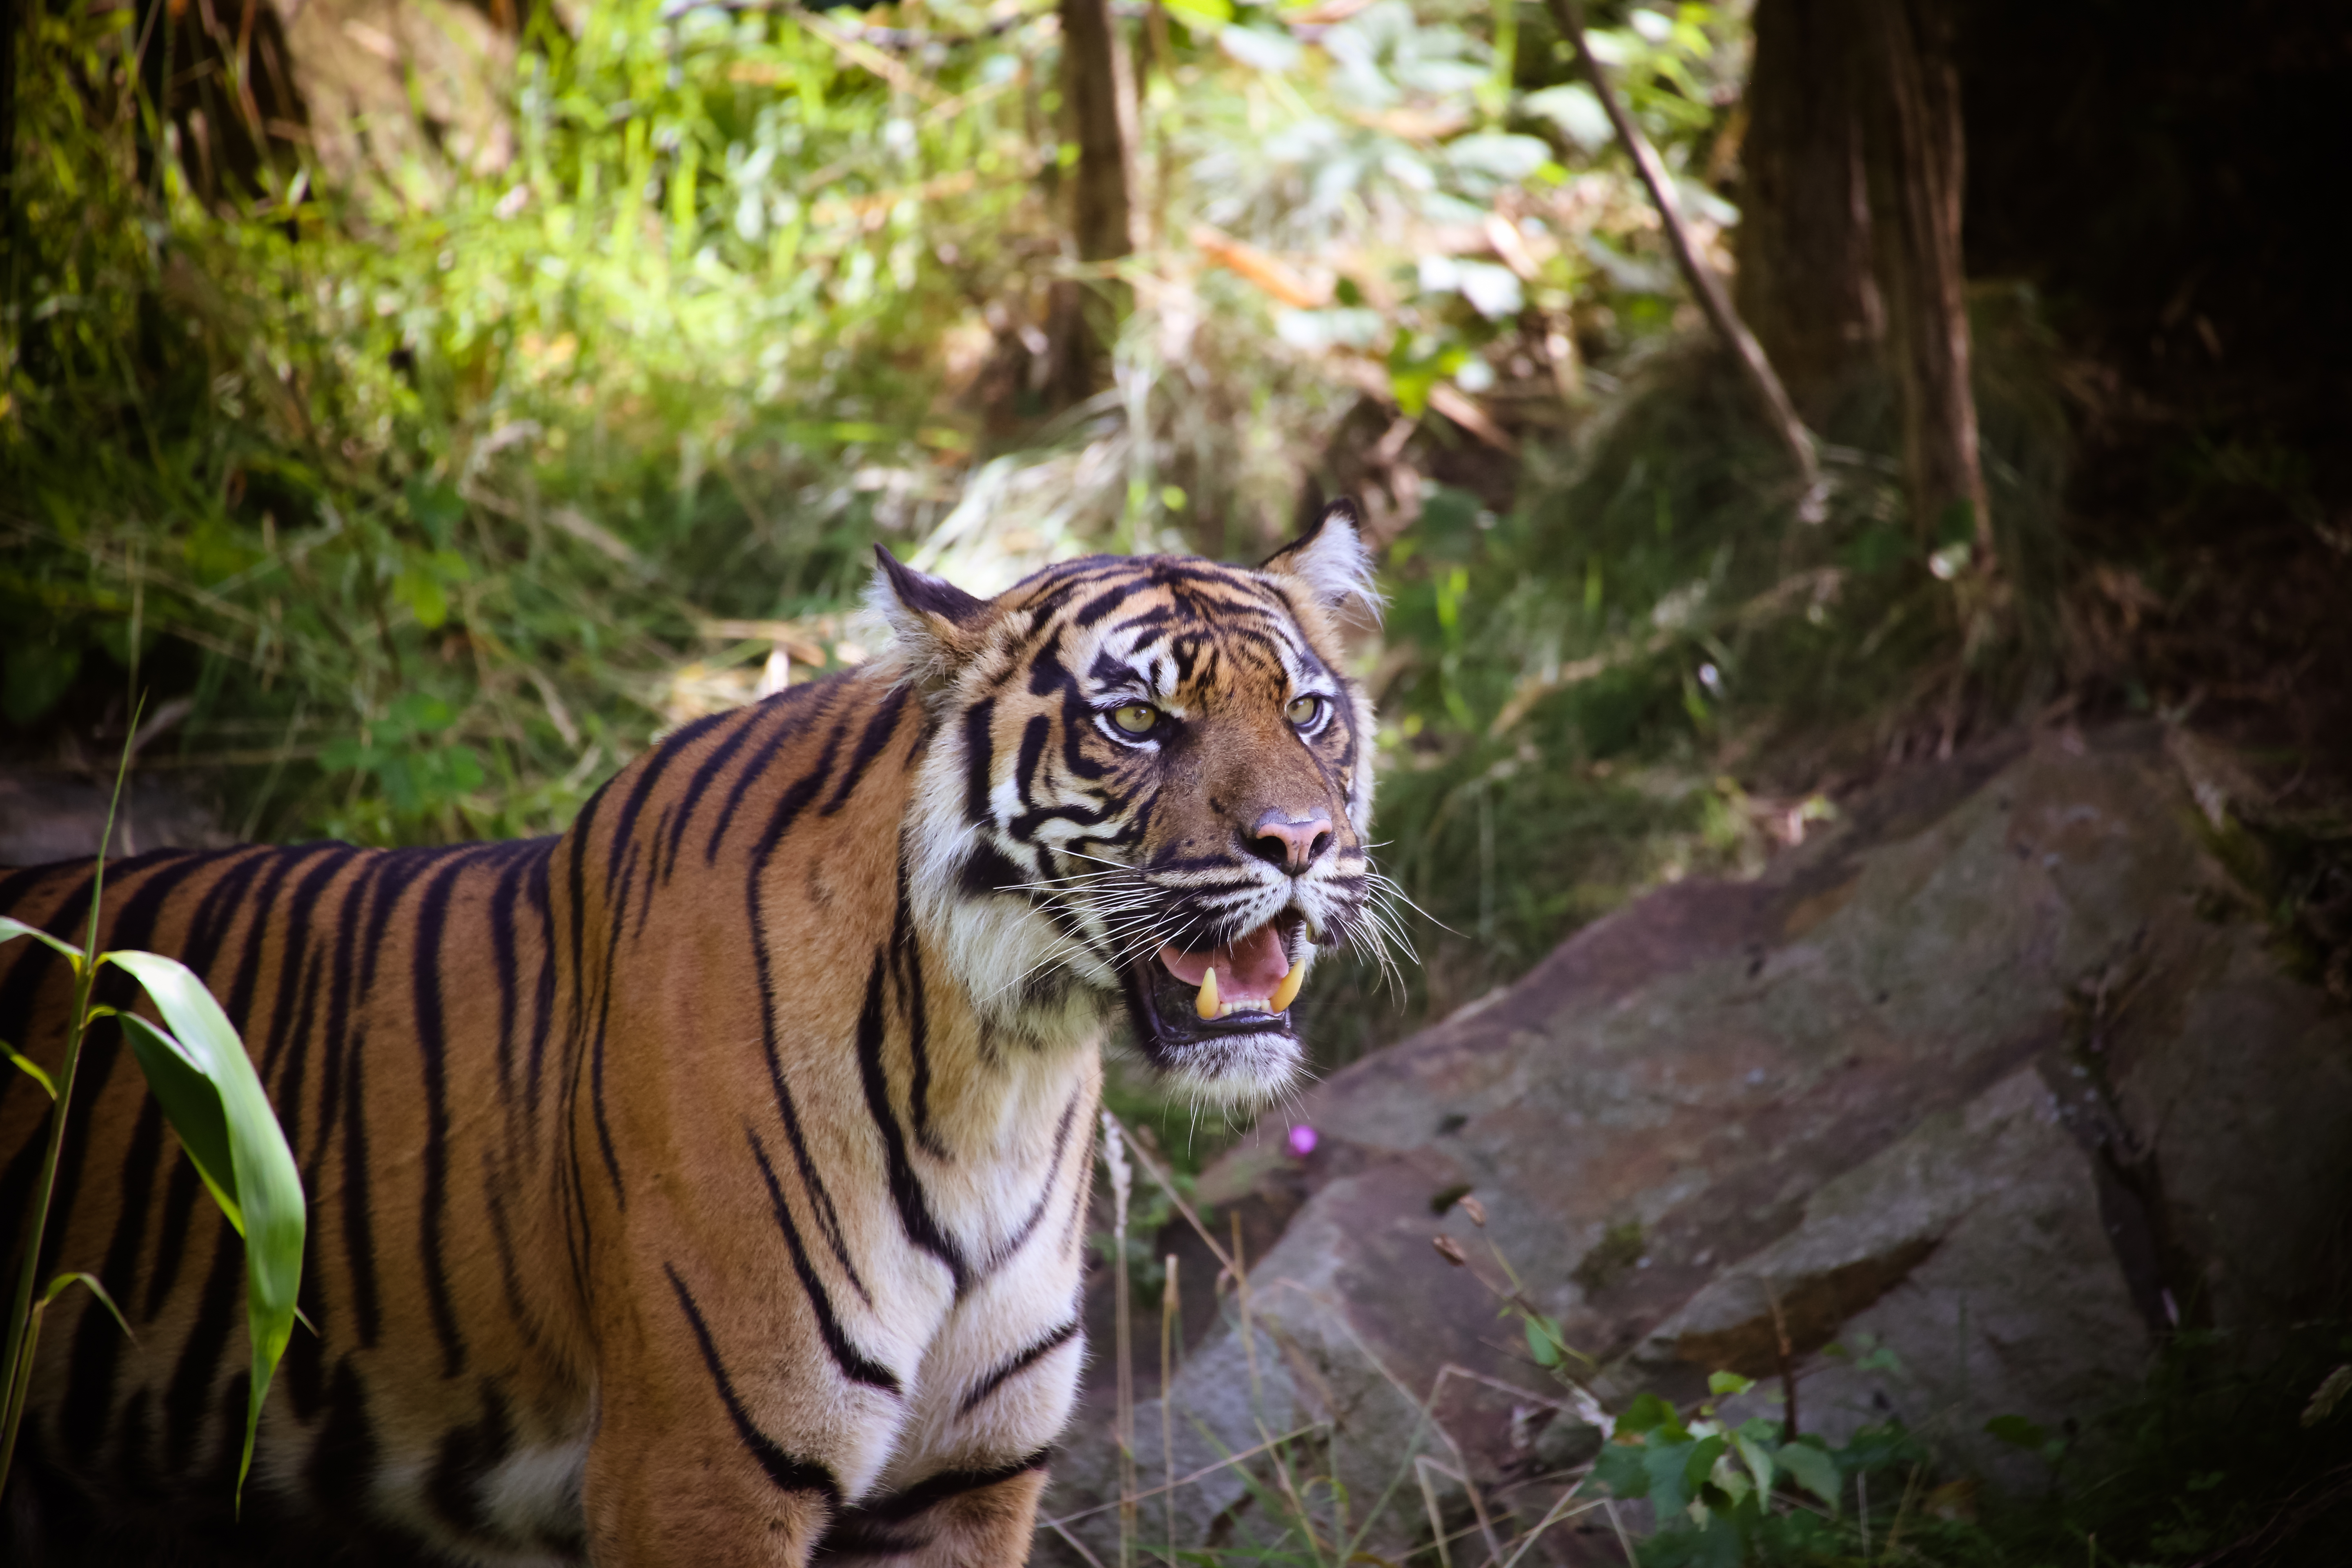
pixel 24 1324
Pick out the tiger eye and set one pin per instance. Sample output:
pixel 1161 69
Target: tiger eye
pixel 1302 710
pixel 1136 718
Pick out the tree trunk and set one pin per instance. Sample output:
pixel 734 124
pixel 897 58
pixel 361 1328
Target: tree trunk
pixel 1804 284
pixel 1914 153
pixel 1099 87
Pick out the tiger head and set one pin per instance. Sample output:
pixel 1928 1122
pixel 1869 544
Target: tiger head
pixel 1148 785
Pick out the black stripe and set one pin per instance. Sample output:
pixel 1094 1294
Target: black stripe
pixel 132 927
pixel 346 1039
pixel 906 1187
pixel 876 735
pixel 603 1017
pixel 306 1353
pixel 97 1337
pixel 854 1363
pixel 494 1196
pixel 468 1454
pixel 650 769
pixel 789 1474
pixel 1103 604
pixel 432 1045
pixel 1021 1235
pixel 747 719
pixel 358 1222
pixel 1018 1365
pixel 187 1398
pixel 653 868
pixel 503 898
pixel 543 1016
pixel 343 1461
pixel 979 757
pixel 792 802
pixel 929 1494
pixel 782 705
pixel 1033 736
pixel 909 951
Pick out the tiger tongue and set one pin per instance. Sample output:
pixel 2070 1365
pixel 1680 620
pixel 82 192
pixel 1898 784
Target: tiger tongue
pixel 1251 966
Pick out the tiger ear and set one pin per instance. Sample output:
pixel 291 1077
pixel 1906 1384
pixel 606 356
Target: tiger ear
pixel 934 624
pixel 1331 559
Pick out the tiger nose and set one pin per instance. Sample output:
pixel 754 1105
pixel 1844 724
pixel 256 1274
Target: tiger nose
pixel 1290 844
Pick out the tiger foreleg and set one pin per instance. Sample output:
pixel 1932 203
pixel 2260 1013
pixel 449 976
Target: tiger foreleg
pixel 959 1520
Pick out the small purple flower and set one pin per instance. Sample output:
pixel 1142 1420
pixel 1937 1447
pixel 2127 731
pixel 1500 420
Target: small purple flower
pixel 1302 1141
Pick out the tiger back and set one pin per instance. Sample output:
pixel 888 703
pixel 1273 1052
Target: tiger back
pixel 706 1184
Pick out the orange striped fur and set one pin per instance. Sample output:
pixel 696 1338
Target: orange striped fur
pixel 706 1184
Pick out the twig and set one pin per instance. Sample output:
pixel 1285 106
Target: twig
pixel 1203 1473
pixel 1624 1542
pixel 1895 1530
pixel 1151 1168
pixel 1421 1467
pixel 1782 414
pixel 1558 1511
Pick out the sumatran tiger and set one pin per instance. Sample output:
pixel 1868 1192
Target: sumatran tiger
pixel 706 1184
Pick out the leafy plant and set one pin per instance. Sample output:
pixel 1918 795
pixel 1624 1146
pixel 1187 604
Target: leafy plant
pixel 198 1071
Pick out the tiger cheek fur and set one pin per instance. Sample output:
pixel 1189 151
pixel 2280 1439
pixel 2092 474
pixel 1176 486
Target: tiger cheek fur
pixel 706 1184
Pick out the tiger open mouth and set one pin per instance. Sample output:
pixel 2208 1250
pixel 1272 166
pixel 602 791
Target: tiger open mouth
pixel 1190 998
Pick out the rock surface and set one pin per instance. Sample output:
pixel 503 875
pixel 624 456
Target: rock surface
pixel 1999 1075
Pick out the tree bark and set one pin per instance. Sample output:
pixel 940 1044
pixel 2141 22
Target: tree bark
pixel 1099 85
pixel 1914 153
pixel 1804 284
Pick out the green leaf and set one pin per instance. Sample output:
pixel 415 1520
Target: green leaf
pixel 1619 1467
pixel 424 596
pixel 57 1288
pixel 12 927
pixel 1759 1460
pixel 1541 1342
pixel 437 509
pixel 1671 1480
pixel 266 1187
pixel 1813 1470
pixel 1728 1383
pixel 30 1068
pixel 1647 1414
pixel 193 1106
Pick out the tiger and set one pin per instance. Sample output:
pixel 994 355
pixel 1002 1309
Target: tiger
pixel 706 1184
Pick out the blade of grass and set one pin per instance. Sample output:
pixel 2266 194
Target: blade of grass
pixel 23 1322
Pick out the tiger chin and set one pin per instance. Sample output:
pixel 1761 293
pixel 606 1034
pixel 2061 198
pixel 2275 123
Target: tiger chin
pixel 707 1184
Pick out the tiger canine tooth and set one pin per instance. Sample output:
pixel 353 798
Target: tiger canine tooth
pixel 1205 1003
pixel 1288 991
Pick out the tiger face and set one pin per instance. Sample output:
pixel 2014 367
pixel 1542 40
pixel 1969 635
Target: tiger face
pixel 1149 789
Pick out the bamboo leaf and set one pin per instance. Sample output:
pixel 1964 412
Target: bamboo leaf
pixel 193 1106
pixel 11 928
pixel 30 1067
pixel 264 1188
pixel 57 1288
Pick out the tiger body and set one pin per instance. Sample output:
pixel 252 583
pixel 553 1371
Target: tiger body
pixel 706 1184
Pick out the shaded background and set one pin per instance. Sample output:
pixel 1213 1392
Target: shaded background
pixel 419 406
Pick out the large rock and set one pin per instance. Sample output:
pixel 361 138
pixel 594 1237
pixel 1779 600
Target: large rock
pixel 1998 1076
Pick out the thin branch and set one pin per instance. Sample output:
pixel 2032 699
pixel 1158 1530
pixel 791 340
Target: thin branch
pixel 1801 443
